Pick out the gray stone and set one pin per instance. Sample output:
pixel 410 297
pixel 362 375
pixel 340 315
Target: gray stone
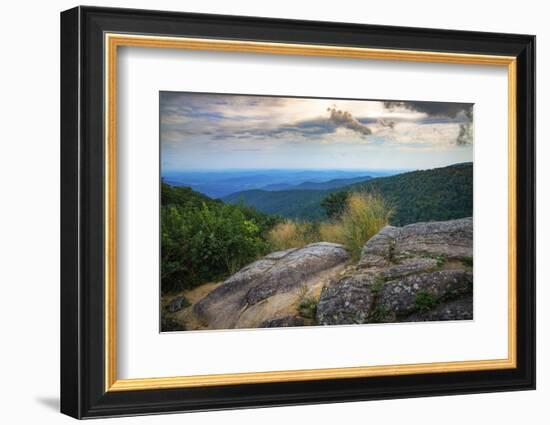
pixel 450 239
pixel 405 272
pixel 409 266
pixel 169 324
pixel 295 267
pixel 459 309
pixel 347 301
pixel 276 274
pixel 400 297
pixel 377 252
pixel 281 322
pixel 177 304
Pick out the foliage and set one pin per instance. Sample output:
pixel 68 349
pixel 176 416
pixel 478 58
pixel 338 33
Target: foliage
pixel 184 197
pixel 331 231
pixel 169 324
pixel 426 195
pixel 334 204
pixel 363 217
pixel 424 301
pixel 308 307
pixel 206 240
pixel 379 314
pixel 290 234
pixel 377 286
pixel 429 195
pixel 203 239
pixel 293 204
pixel 364 214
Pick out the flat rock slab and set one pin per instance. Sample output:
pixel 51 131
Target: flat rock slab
pixel 281 275
pixel 447 239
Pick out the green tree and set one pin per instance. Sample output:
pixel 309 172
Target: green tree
pixel 203 239
pixel 335 204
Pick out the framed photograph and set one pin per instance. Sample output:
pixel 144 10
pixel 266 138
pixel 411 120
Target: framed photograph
pixel 261 212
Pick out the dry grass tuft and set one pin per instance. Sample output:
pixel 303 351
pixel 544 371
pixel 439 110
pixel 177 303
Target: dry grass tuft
pixel 291 234
pixel 363 217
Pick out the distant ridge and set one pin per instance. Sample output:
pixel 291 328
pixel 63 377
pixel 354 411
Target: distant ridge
pixel 425 195
pixel 331 184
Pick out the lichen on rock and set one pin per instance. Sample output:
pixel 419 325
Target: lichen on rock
pixel 270 287
pixel 406 274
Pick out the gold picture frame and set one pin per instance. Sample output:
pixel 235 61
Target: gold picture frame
pixel 91 40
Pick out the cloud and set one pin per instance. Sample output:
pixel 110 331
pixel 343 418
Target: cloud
pixel 344 119
pixel 386 123
pixel 462 113
pixel 441 109
pixel 465 134
pixel 195 122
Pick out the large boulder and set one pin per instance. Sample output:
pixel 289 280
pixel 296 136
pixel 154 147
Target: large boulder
pixel 458 309
pixel 421 292
pixel 448 239
pixel 412 273
pixel 348 301
pixel 271 287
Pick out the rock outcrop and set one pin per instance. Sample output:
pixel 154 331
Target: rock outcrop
pixel 419 272
pixel 267 291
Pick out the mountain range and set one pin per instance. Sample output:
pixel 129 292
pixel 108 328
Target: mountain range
pixel 221 183
pixel 424 195
pixel 331 184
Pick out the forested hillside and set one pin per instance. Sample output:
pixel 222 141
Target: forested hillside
pixel 426 195
pixel 203 239
pixel 302 204
pixel 331 184
pixel 429 195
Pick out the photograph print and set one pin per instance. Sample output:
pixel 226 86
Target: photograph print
pixel 291 211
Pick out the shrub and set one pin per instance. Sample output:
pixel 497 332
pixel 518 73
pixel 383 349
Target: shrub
pixel 331 232
pixel 424 301
pixel 206 243
pixel 308 308
pixel 334 204
pixel 364 215
pixel 291 234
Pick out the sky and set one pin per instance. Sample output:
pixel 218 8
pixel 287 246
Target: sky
pixel 224 131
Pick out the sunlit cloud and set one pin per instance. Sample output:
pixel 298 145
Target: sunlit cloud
pixel 196 127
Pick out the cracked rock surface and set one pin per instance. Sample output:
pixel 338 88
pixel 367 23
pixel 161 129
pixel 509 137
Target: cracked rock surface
pixel 269 288
pixel 418 272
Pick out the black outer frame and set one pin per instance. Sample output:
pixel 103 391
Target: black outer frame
pixel 82 219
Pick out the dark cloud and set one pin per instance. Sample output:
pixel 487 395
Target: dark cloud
pixel 465 134
pixel 434 109
pixel 462 113
pixel 386 123
pixel 344 119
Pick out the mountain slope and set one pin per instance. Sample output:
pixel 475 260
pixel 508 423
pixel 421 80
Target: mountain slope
pixel 311 185
pixel 299 204
pixel 426 195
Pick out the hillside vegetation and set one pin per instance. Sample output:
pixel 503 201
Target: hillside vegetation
pixel 204 239
pixel 426 195
pixel 295 204
pixel 331 184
